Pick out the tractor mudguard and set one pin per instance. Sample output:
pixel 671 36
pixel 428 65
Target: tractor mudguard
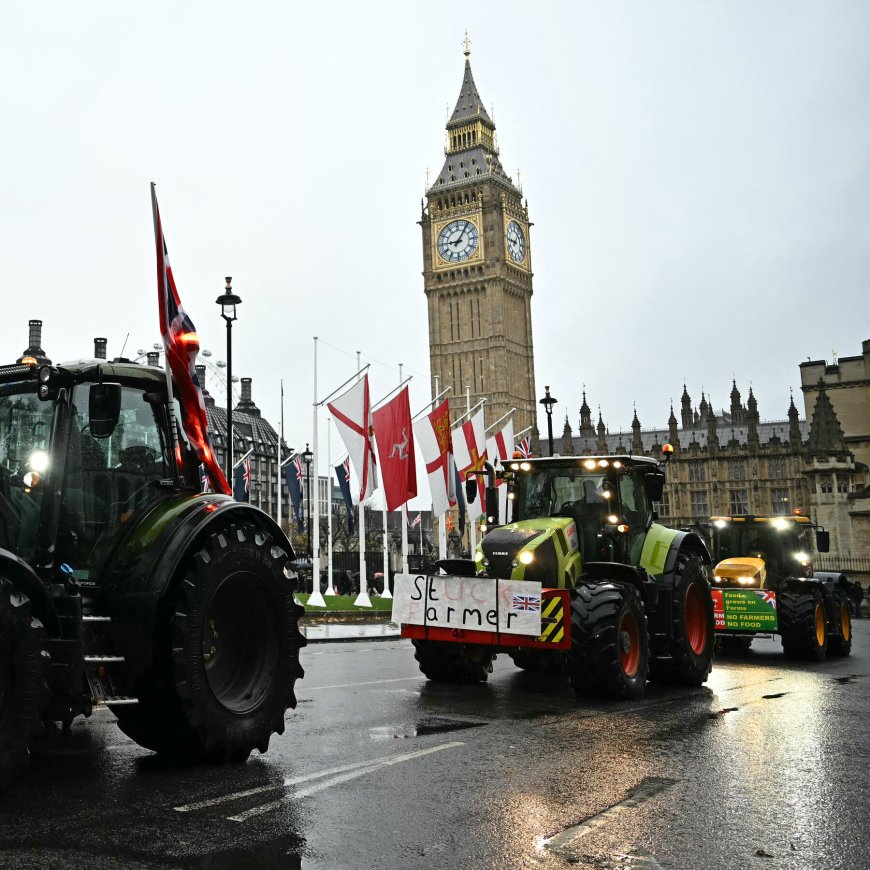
pixel 637 577
pixel 26 580
pixel 141 572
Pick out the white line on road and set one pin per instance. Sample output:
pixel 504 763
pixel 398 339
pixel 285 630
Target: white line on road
pixel 298 780
pixel 337 780
pixel 563 843
pixel 353 685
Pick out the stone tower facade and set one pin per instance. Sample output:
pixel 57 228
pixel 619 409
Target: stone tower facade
pixel 477 271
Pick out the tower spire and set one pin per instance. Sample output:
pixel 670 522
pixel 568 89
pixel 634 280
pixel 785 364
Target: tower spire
pixel 466 44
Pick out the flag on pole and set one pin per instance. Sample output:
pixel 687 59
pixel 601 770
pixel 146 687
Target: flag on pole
pixel 436 445
pixel 242 481
pixel 416 521
pixel 352 412
pixel 500 449
pixel 294 476
pixel 342 475
pixel 394 436
pixel 469 447
pixel 204 482
pixel 181 345
pixel 524 447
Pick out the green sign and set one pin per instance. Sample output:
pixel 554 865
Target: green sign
pixel 745 610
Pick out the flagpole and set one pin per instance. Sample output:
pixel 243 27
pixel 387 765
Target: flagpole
pixel 362 599
pixel 505 416
pixel 278 465
pixel 523 432
pixel 430 406
pixel 442 520
pixel 461 417
pixel 330 590
pixel 316 598
pixel 386 593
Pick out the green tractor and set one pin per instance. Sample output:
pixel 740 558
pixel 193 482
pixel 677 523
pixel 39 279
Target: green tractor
pixel 122 585
pixel 623 599
pixel 764 585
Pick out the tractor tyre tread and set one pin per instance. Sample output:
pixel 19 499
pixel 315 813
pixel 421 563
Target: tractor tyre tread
pixel 447 662
pixel 797 625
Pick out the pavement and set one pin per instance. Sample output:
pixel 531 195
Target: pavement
pixel 337 631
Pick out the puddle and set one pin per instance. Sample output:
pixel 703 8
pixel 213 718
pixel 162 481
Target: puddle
pixel 850 679
pixel 421 729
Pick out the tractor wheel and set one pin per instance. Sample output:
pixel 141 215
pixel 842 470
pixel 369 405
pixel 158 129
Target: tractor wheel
pixel 609 655
pixel 23 692
pixel 228 658
pixel 444 662
pixel 802 625
pixel 840 644
pixel 691 629
pixel 541 661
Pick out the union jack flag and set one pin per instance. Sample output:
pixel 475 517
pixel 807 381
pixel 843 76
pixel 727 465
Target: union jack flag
pixel 526 603
pixel 767 596
pixel 205 483
pixel 181 344
pixel 297 464
pixel 416 521
pixel 247 476
pixel 524 447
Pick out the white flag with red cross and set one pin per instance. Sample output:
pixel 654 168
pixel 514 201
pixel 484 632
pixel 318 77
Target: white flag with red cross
pixel 469 450
pixel 500 449
pixel 352 413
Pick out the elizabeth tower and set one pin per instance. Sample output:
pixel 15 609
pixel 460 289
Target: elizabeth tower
pixel 477 270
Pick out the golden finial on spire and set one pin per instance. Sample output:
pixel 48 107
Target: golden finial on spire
pixel 467 45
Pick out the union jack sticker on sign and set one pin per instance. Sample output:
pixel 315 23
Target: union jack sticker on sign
pixel 767 596
pixel 526 603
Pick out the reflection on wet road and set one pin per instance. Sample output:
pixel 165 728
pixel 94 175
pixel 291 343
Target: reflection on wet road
pixel 378 768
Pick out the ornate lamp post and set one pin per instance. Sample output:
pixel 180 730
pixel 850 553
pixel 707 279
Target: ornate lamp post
pixel 228 302
pixel 548 401
pixel 307 456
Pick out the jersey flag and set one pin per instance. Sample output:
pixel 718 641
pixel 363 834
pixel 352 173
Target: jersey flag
pixel 352 413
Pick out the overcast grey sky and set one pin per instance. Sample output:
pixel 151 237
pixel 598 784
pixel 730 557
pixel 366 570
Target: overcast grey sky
pixel 698 174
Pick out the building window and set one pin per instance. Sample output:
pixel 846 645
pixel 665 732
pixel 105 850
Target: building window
pixel 663 507
pixel 779 502
pixel 842 485
pixel 739 502
pixel 776 468
pixel 737 470
pixel 699 504
pixel 697 472
pixel 826 484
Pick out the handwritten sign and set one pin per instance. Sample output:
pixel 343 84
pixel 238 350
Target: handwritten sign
pixel 470 603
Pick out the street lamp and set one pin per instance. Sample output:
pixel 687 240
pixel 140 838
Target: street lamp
pixel 548 401
pixel 307 456
pixel 228 302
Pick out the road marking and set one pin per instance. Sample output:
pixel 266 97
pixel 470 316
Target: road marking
pixel 563 843
pixel 371 767
pixel 298 780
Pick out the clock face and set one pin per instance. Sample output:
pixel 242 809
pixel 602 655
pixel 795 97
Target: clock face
pixel 516 242
pixel 457 241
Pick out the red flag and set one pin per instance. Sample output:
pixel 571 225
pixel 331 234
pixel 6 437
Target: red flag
pixel 393 434
pixel 182 345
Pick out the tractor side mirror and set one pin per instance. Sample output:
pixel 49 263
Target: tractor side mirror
pixel 104 409
pixel 654 485
pixel 823 540
pixel 471 489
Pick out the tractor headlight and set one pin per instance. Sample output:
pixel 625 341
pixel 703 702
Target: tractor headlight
pixel 524 466
pixel 745 581
pixel 780 524
pixel 720 524
pixel 38 461
pixel 527 557
pixel 802 557
pixel 478 556
pixel 613 519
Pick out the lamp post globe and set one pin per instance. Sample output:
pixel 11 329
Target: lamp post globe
pixel 548 401
pixel 228 302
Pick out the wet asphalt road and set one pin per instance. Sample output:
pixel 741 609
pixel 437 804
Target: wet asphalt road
pixel 764 767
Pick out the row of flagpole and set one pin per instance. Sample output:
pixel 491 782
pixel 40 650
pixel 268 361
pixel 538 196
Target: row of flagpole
pixel 390 423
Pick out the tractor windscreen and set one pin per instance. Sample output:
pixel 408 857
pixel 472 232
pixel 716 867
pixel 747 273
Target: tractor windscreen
pixel 25 423
pixel 783 545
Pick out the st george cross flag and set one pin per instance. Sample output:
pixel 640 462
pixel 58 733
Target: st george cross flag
pixel 294 477
pixel 524 447
pixel 500 449
pixel 352 412
pixel 181 344
pixel 394 436
pixel 433 436
pixel 342 474
pixel 242 481
pixel 469 448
